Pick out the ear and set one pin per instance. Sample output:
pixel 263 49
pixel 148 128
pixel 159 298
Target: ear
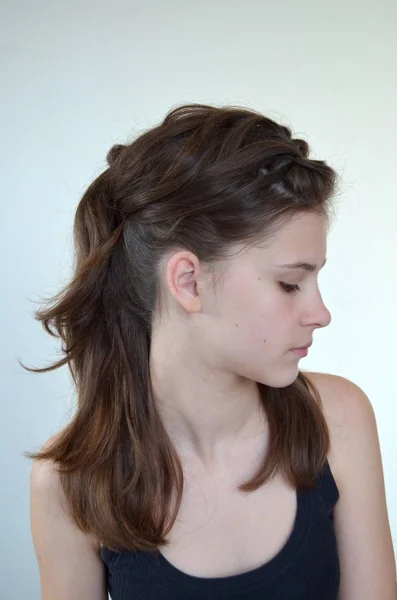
pixel 183 278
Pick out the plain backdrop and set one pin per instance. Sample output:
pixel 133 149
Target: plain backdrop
pixel 77 77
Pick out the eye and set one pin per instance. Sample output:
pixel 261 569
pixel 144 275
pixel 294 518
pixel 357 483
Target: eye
pixel 289 288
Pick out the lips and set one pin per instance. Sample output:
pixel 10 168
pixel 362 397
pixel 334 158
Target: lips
pixel 305 347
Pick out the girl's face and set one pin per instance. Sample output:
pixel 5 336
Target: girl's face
pixel 263 309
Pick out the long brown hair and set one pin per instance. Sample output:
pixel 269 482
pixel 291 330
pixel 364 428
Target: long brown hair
pixel 203 179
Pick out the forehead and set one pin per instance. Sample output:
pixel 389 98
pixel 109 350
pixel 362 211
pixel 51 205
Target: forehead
pixel 304 232
pixel 300 238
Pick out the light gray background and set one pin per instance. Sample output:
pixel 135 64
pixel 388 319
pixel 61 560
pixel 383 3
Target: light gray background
pixel 77 77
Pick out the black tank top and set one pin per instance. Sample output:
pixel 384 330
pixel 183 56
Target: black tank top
pixel 306 568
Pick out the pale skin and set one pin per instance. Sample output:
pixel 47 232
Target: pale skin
pixel 223 340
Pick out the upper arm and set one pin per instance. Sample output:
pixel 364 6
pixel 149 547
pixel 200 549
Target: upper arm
pixel 367 562
pixel 69 562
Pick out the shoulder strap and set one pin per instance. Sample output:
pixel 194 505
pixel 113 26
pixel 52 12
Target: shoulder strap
pixel 327 487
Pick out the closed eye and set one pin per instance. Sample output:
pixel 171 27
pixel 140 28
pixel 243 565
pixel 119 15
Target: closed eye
pixel 289 288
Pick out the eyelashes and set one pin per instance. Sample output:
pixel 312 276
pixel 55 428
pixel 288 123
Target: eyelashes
pixel 289 288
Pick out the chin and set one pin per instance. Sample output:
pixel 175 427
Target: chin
pixel 280 379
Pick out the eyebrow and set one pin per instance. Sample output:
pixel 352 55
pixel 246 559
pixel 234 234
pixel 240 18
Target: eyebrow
pixel 302 265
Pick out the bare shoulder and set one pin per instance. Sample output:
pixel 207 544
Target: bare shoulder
pixel 341 397
pixel 46 489
pixel 68 559
pixel 347 410
pixel 47 497
pixel 45 482
pixel 365 547
pixel 44 477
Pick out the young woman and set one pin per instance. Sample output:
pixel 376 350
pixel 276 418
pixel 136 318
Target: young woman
pixel 200 461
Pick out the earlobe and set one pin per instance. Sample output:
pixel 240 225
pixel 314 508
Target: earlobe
pixel 182 277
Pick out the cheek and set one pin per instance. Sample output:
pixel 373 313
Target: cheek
pixel 263 327
pixel 255 313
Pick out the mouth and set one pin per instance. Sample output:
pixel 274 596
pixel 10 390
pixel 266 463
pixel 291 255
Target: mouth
pixel 305 347
pixel 302 351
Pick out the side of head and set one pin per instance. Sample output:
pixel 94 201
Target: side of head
pixel 211 200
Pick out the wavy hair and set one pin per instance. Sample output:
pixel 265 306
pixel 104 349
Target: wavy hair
pixel 203 179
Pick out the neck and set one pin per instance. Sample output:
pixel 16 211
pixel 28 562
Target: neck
pixel 211 416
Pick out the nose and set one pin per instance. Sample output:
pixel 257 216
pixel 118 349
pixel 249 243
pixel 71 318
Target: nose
pixel 317 314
